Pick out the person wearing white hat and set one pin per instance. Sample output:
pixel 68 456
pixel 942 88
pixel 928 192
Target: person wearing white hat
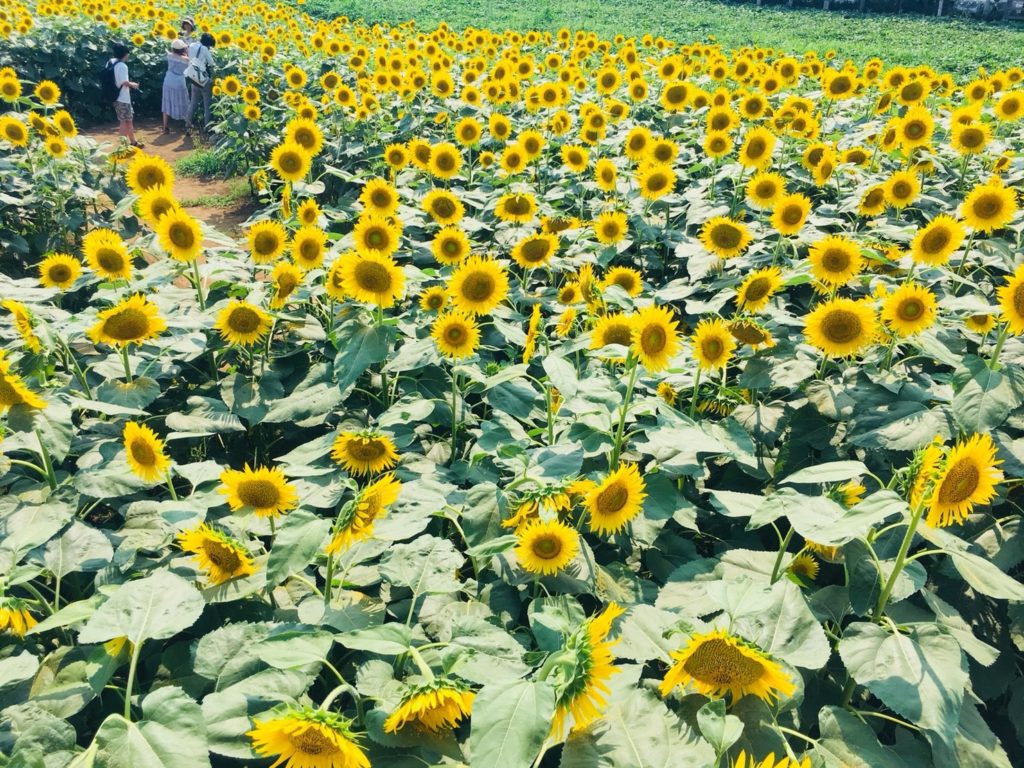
pixel 175 100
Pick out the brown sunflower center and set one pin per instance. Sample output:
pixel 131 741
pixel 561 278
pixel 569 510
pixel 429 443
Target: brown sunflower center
pixel 456 334
pixel 266 243
pixel 988 206
pixel 874 198
pixel 290 162
pixel 613 498
pixel 656 182
pixel 259 494
pixel 535 250
pixel 60 273
pixel 712 348
pixel 617 333
pixel 841 326
pixel 1018 300
pixel 972 138
pixel 747 333
pixel 835 260
pixel 313 742
pixel 243 320
pixel 756 148
pixel 765 190
pixel 286 283
pixel 719 662
pixel 960 482
pixel 910 309
pixel 373 277
pixel 366 450
pixel 309 249
pixel 901 190
pixel 110 259
pixel 757 289
pixel 518 205
pixel 142 451
pixel 726 236
pixel 936 240
pixel 127 325
pixel 478 286
pixel 376 238
pixel 547 547
pixel 791 215
pixel 181 235
pixel 305 137
pixel 443 208
pixel 915 129
pixel 222 556
pixel 626 281
pixel 381 198
pixel 445 161
pixel 653 339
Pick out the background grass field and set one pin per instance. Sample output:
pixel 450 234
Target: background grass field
pixel 948 44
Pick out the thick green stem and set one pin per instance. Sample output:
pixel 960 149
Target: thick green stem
pixel 132 667
pixel 170 486
pixel 330 579
pixel 424 668
pixel 44 454
pixel 455 418
pixel 782 552
pixel 617 448
pixel 127 365
pixel 199 285
pixel 693 397
pixel 993 363
pixel 901 558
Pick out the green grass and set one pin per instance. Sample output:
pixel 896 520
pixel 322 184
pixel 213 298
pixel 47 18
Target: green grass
pixel 948 44
pixel 237 190
pixel 206 163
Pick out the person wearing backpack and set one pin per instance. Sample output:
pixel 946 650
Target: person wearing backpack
pixel 117 90
pixel 200 77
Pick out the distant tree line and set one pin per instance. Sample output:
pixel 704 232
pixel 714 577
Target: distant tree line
pixel 980 9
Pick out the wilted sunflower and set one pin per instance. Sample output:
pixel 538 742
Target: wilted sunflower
pixel 546 547
pixel 478 285
pixel 655 337
pixel 131 321
pixel 267 241
pixel 617 500
pixel 357 520
pixel 841 327
pixel 180 235
pixel 535 250
pixel 308 738
pixel 835 260
pixel 107 255
pixel 611 227
pixel 364 453
pixel 13 390
pixel 432 707
pixel 717 663
pixel 456 334
pixel 581 681
pixel 968 477
pixel 263 490
pixel 757 289
pixel 790 213
pixel 290 161
pixel 145 452
pixel 59 270
pixel 626 278
pixel 379 197
pixel 443 206
pixel 713 344
pixel 909 309
pixel 1011 300
pixel 15 617
pixel 23 323
pixel 220 556
pixel 725 237
pixel 376 236
pixel 242 323
pixel 147 171
pixel 518 208
pixel 308 244
pixel 371 278
pixel 935 242
pixel 284 278
pixel 989 207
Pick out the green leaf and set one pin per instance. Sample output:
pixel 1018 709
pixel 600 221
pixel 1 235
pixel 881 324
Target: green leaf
pixel 846 742
pixel 70 678
pixel 480 651
pixel 205 417
pixel 643 634
pixel 28 526
pixel 385 639
pixel 79 548
pixel 719 729
pixel 172 733
pixel 984 398
pixel 562 375
pixel 293 648
pixel 920 677
pixel 426 566
pixel 311 401
pixel 226 655
pixel 985 576
pixel 359 347
pixel 298 540
pixel 510 722
pixel 786 628
pixel 153 608
pixel 831 472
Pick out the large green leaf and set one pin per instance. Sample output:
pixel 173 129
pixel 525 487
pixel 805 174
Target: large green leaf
pixel 297 542
pixel 172 733
pixel 846 742
pixel 984 398
pixel 359 347
pixel 153 608
pixel 510 722
pixel 427 565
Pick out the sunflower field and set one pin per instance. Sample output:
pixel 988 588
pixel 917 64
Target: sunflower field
pixel 568 402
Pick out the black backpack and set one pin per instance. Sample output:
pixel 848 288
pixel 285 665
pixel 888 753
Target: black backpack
pixel 108 84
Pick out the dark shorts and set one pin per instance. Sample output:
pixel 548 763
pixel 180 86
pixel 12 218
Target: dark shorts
pixel 124 111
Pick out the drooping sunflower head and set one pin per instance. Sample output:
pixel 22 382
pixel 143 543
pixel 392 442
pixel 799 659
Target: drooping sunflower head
pixel 713 344
pixel 725 237
pixel 15 617
pixel 435 706
pixel 841 327
pixel 309 738
pixel 872 202
pixel 478 285
pixel 909 309
pixel 13 390
pixel 535 250
pixel 616 500
pixel 242 323
pixel 718 662
pixel 131 321
pixel 264 491
pixel 835 260
pixel 356 520
pixel 22 319
pixel 456 334
pixel 222 557
pixel 364 453
pixel 804 567
pixel 147 171
pixel 757 289
pixel 546 547
pixel 145 452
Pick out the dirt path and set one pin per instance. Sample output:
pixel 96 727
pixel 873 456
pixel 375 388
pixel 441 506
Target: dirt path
pixel 172 147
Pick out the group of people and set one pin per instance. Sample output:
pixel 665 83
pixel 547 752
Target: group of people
pixel 187 84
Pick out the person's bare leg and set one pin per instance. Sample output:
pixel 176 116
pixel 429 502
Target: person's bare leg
pixel 167 128
pixel 128 130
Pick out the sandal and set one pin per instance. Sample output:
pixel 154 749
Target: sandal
pixel 138 144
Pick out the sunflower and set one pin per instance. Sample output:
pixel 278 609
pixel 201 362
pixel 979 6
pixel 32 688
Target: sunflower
pixel 835 260
pixel 267 241
pixel 790 213
pixel 59 270
pixel 983 323
pixel 478 285
pixel 106 254
pixel 605 174
pixel 145 452
pixel 456 334
pixel 765 189
pixel 989 206
pixel 915 128
pixel 968 477
pixel 841 327
pixel 936 241
pixel 718 662
pixel 909 309
pixel 290 161
pixel 616 500
pixel 713 344
pixel 725 237
pixel 513 159
pixel 265 491
pixel 468 131
pixel 582 683
pixel 55 146
pixel 15 617
pixel 575 157
pixel 242 323
pixel 450 245
pixel 757 289
pixel 284 278
pixel 13 390
pixel 371 278
pixel 1011 300
pixel 308 245
pixel 308 212
pixel 546 547
pixel 308 738
pixel 376 236
pixel 222 557
pixel 131 321
pixel 970 138
pixel 14 131
pixel 1010 106
pixel 655 337
pixel 445 160
pixel 769 762
pixel 627 278
pixel 357 519
pixel 147 171
pixel 656 181
pixel 379 197
pixel 154 203
pixel 515 207
pixel 23 323
pixel 305 134
pixel 439 705
pixel 804 567
pixel 872 202
pixel 364 453
pixel 611 227
pixel 180 235
pixel 443 207
pixel 902 188
pixel 757 148
pixel 535 250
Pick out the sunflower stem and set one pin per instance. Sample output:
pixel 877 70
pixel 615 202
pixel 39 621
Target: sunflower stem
pixel 329 580
pixel 624 409
pixel 132 667
pixel 963 261
pixel 455 418
pixel 127 365
pixel 780 555
pixel 335 693
pixel 199 285
pixel 170 485
pixel 993 363
pixel 901 559
pixel 693 397
pixel 44 454
pixel 424 668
